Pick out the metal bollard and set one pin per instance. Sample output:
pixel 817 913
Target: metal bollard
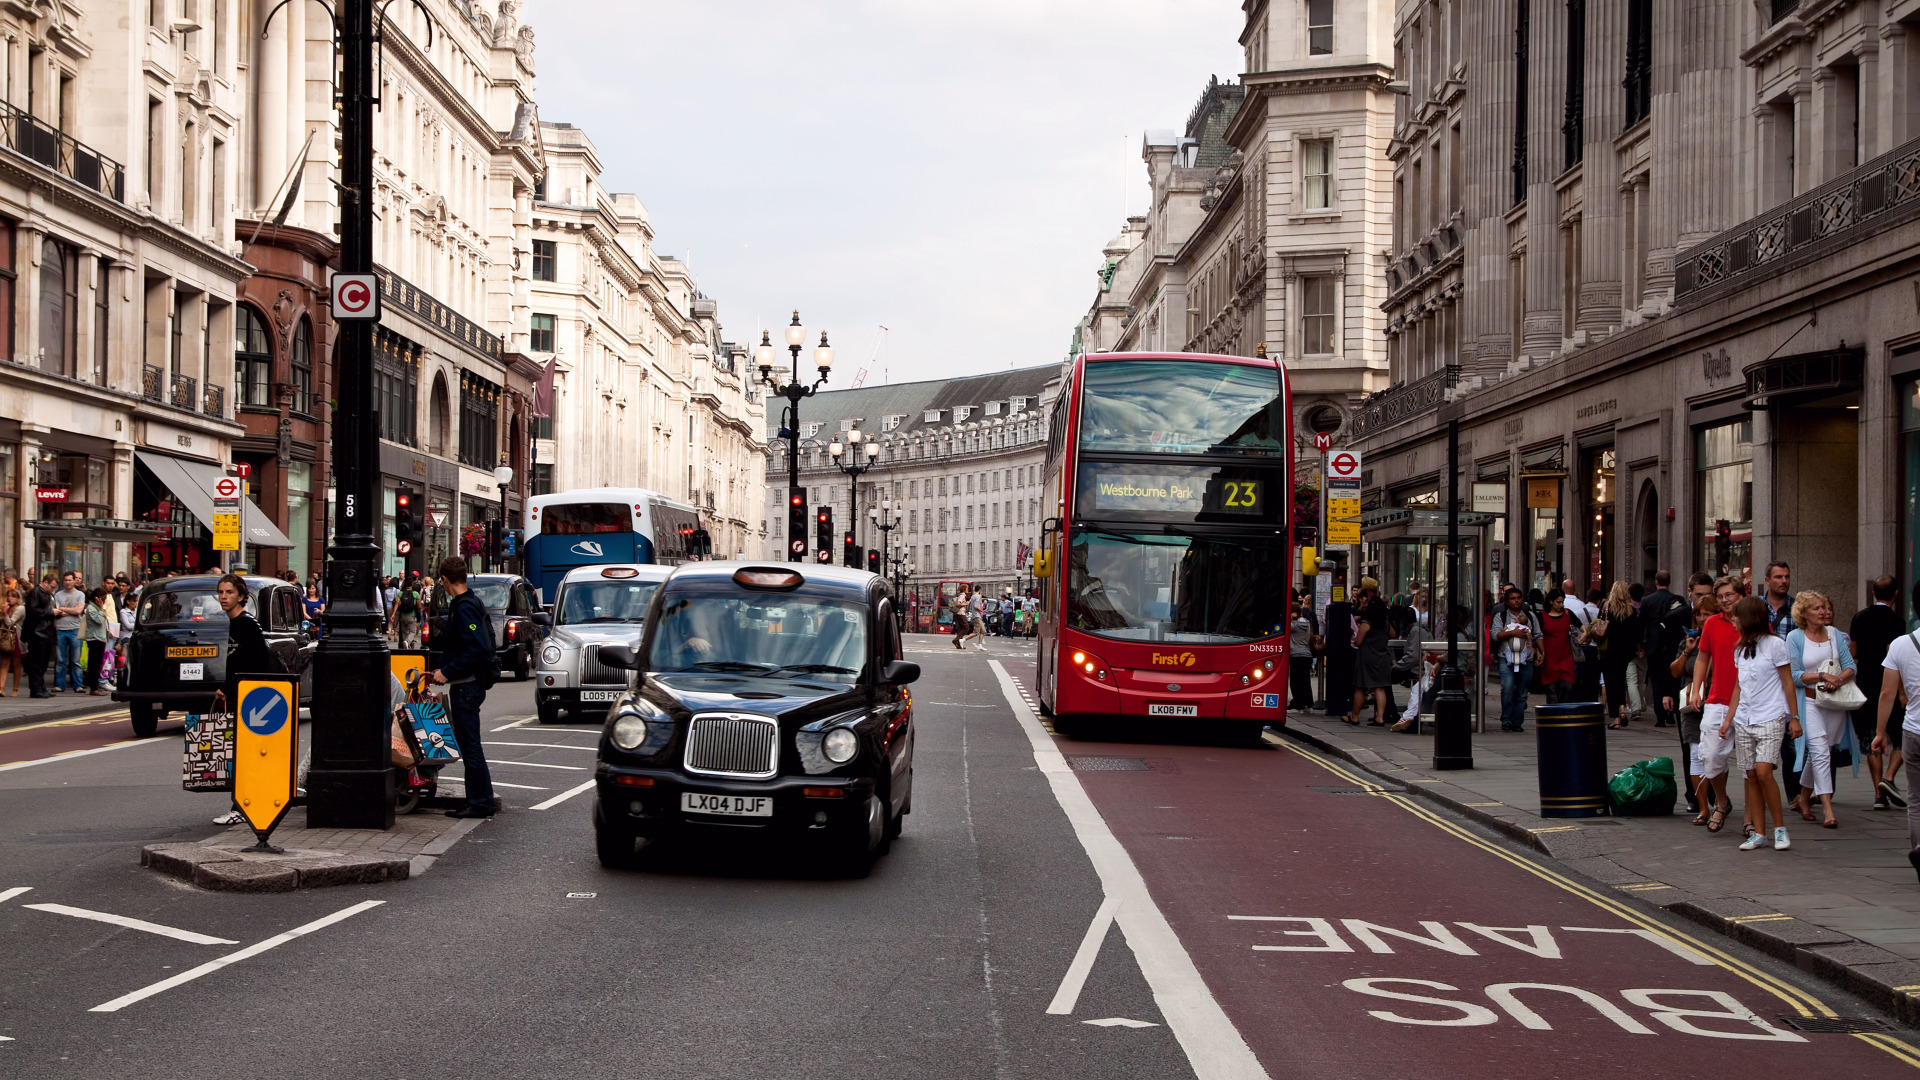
pixel 1572 741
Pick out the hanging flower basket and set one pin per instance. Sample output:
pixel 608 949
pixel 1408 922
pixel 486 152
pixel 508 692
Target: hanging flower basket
pixel 473 539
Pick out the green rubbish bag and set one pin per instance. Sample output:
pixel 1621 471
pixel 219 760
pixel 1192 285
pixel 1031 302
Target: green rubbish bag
pixel 1643 789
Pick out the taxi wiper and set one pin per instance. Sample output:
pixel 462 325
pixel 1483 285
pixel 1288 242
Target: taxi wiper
pixel 726 665
pixel 818 669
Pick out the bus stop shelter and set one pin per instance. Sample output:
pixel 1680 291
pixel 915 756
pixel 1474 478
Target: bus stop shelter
pixel 1419 536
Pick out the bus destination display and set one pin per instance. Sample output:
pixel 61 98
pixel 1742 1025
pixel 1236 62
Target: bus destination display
pixel 1125 490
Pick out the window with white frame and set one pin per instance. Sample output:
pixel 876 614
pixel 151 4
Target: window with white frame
pixel 1318 296
pixel 1320 27
pixel 1316 167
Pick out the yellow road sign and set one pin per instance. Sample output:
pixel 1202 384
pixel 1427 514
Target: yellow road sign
pixel 226 531
pixel 266 750
pixel 405 663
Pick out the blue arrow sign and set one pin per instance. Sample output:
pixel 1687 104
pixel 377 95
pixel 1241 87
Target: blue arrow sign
pixel 264 710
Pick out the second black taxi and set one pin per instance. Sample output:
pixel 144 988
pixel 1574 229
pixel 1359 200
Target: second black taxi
pixel 764 702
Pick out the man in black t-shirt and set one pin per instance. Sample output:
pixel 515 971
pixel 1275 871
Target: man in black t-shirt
pixel 1872 630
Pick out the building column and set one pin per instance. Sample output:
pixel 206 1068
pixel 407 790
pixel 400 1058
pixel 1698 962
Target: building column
pixel 1867 104
pixel 26 295
pixel 1895 75
pixel 270 135
pixel 86 295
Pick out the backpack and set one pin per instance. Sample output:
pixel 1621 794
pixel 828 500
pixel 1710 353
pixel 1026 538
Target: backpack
pixel 409 602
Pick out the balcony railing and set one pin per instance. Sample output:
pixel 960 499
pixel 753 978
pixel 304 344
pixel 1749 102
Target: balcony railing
pixel 1830 216
pixel 1404 402
pixel 183 392
pixel 401 293
pixel 1783 8
pixel 29 137
pixel 214 402
pixel 151 379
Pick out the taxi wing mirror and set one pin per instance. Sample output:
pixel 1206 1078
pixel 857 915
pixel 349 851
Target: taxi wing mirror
pixel 619 656
pixel 541 618
pixel 900 673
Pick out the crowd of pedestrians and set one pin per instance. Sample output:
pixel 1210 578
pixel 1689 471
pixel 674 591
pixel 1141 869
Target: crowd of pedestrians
pixel 976 616
pixel 63 624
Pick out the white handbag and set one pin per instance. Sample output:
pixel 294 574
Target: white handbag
pixel 1848 697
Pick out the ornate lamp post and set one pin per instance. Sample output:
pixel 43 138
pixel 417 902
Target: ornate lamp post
pixel 503 479
pixel 854 465
pixel 886 518
pixel 764 356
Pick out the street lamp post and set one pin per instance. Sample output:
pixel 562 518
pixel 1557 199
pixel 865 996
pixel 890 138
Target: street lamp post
pixel 1452 709
pixel 854 467
pixel 503 477
pixel 763 356
pixel 886 518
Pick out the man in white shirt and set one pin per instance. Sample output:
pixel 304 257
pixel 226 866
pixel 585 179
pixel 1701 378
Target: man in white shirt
pixel 1903 659
pixel 1588 612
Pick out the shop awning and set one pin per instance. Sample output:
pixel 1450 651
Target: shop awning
pixel 104 530
pixel 192 483
pixel 1412 525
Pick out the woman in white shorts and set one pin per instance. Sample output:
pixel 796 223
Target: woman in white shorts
pixel 1760 715
pixel 1814 642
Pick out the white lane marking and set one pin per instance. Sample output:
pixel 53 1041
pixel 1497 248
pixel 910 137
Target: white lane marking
pixel 516 723
pixel 562 797
pixel 1213 1046
pixel 132 924
pixel 1673 947
pixel 1119 1021
pixel 12 765
pixel 212 966
pixel 8 894
pixel 543 745
pixel 537 765
pixel 522 787
pixel 1065 998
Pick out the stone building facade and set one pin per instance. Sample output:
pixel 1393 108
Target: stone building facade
pixel 1269 215
pixel 646 393
pixel 960 459
pixel 1658 261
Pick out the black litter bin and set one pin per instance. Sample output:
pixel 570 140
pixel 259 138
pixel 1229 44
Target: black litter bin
pixel 1573 759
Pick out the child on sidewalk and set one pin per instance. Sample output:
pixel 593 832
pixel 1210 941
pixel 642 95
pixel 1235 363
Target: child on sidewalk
pixel 1759 716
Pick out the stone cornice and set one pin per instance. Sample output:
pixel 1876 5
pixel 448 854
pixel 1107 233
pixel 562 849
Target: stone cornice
pixel 144 226
pixel 1296 81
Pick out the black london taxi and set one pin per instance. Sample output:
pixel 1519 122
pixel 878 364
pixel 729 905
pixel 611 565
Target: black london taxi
pixel 177 656
pixel 764 701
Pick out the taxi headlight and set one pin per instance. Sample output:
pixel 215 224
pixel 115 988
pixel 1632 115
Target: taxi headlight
pixel 840 745
pixel 629 731
pixel 550 655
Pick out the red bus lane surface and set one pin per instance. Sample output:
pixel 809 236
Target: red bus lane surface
pixel 50 738
pixel 1354 934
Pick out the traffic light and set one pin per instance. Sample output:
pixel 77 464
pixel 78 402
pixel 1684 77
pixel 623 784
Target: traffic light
pixel 702 542
pixel 823 532
pixel 873 562
pixel 406 523
pixel 849 554
pixel 797 524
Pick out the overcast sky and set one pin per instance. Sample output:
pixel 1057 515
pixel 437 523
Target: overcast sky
pixel 947 170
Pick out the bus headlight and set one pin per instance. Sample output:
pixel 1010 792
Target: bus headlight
pixel 1089 665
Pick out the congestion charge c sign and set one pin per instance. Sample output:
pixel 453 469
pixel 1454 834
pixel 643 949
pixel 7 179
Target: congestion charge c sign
pixel 264 710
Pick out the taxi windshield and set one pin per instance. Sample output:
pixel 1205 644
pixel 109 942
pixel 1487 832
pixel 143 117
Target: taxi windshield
pixel 779 635
pixel 195 606
pixel 605 601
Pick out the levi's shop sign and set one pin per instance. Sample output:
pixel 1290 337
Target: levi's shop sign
pixel 50 494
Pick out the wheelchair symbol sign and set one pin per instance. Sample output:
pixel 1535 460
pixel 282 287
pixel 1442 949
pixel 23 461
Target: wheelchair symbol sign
pixel 264 710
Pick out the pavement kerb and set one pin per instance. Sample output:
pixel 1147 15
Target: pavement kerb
pixel 1885 979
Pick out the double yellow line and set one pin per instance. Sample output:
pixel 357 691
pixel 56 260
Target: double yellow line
pixel 1802 1002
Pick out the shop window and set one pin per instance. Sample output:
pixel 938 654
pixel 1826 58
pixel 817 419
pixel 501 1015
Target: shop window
pixel 252 359
pixel 303 368
pixel 1316 315
pixel 1319 27
pixel 540 334
pixel 546 260
pixel 1910 484
pixel 1723 458
pixel 300 517
pixel 479 421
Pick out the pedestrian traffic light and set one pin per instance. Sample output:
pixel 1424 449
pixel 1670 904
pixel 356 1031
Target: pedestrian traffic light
pixel 797 523
pixel 823 529
pixel 406 523
pixel 849 554
pixel 873 562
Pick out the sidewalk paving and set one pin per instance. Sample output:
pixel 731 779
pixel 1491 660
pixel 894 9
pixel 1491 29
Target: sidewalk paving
pixel 311 858
pixel 1842 903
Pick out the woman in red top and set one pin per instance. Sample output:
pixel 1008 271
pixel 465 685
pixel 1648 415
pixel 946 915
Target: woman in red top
pixel 1556 647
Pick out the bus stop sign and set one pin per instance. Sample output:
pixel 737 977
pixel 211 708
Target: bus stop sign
pixel 266 752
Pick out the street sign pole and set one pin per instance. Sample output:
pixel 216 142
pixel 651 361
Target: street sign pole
pixel 349 784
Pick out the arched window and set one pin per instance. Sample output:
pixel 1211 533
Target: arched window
pixel 441 419
pixel 303 368
pixel 57 286
pixel 252 359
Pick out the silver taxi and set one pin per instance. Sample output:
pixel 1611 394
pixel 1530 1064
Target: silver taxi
pixel 594 606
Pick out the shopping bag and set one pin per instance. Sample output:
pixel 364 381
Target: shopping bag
pixel 434 729
pixel 399 751
pixel 208 762
pixel 1643 789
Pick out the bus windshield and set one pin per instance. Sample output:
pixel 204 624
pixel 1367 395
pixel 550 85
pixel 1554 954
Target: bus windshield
pixel 573 519
pixel 1175 588
pixel 1183 407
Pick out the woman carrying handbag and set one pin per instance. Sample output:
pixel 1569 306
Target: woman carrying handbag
pixel 1823 674
pixel 1711 791
pixel 11 616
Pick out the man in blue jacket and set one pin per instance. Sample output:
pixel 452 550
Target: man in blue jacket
pixel 469 667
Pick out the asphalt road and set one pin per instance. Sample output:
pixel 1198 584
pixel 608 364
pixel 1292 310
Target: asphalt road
pixel 1270 916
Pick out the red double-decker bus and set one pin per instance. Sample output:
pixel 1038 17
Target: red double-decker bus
pixel 1165 568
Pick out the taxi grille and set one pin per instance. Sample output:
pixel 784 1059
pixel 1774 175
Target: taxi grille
pixel 734 744
pixel 595 673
